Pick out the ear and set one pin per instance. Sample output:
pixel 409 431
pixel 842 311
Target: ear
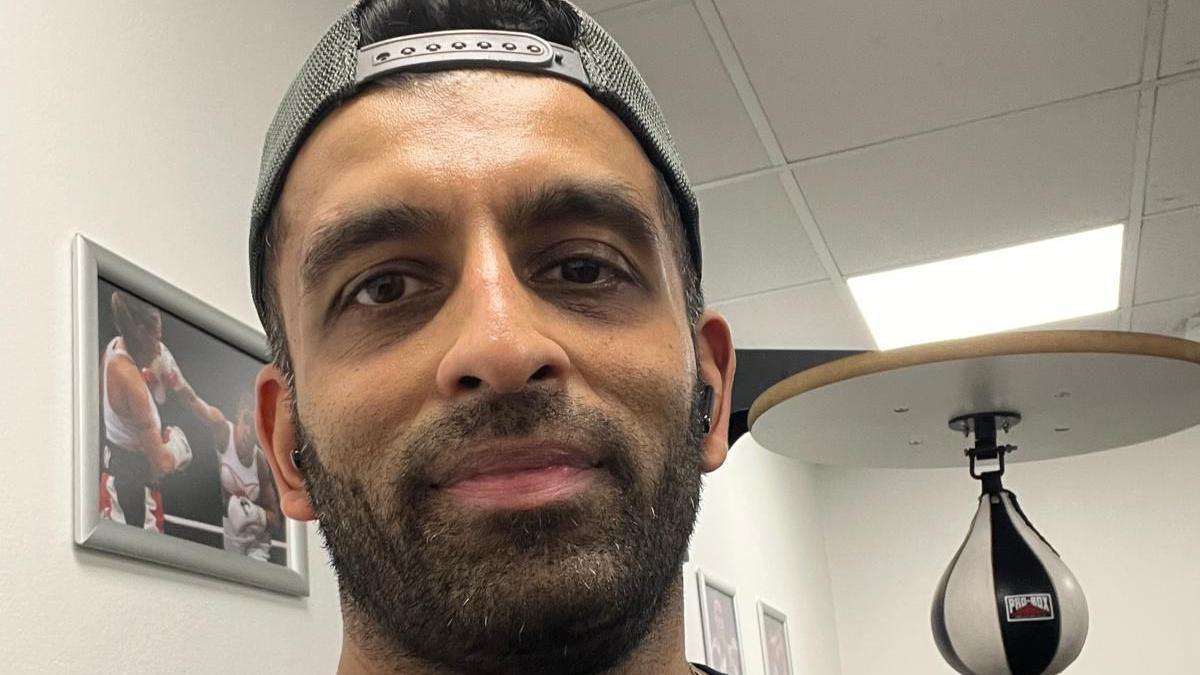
pixel 717 359
pixel 277 435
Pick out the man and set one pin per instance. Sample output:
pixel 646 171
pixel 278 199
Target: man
pixel 249 503
pixel 138 450
pixel 495 386
pixel 247 489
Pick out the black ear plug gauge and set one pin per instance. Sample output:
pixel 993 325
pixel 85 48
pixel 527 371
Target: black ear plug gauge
pixel 706 403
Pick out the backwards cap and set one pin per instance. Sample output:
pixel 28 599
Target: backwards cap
pixel 338 67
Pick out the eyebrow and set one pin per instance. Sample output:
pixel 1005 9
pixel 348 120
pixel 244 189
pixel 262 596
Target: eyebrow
pixel 610 203
pixel 334 241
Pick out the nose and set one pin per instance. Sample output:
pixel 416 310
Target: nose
pixel 499 344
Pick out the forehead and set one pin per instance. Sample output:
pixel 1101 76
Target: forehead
pixel 457 138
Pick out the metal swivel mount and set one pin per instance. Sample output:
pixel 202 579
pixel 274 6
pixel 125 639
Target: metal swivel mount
pixel 984 426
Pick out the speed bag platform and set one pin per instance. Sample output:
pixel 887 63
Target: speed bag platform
pixel 1007 605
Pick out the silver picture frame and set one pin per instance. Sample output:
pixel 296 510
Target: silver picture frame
pixel 91 264
pixel 716 649
pixel 767 613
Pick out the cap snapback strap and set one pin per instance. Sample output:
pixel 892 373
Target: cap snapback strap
pixel 447 50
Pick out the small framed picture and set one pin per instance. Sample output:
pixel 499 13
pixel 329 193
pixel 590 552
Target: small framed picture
pixel 719 624
pixel 776 651
pixel 167 463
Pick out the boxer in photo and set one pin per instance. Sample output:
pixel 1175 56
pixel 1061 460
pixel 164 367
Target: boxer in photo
pixel 247 487
pixel 250 509
pixel 138 451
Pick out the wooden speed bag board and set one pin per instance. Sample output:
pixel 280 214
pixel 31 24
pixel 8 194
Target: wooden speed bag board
pixel 1075 392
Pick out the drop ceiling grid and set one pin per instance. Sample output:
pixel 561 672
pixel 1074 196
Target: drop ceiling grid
pixel 774 308
pixel 668 43
pixel 811 316
pixel 864 71
pixel 753 220
pixel 1147 97
pixel 719 33
pixel 1004 181
pixel 730 58
pixel 1139 157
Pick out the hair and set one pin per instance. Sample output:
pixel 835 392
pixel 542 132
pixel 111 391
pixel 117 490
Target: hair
pixel 132 316
pixel 386 19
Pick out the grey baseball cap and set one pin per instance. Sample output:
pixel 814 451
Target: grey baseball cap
pixel 339 66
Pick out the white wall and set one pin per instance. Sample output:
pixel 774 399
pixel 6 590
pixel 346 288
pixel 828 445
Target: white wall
pixel 139 124
pixel 1126 521
pixel 760 530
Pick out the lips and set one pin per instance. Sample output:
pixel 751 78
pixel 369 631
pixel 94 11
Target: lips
pixel 513 456
pixel 519 474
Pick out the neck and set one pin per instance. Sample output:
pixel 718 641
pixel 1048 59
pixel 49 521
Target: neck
pixel 661 652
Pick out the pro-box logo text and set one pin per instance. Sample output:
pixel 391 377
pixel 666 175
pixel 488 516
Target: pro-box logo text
pixel 1029 607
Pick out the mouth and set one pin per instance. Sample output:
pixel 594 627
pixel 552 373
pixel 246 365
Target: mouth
pixel 521 475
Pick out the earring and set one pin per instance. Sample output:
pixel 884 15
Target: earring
pixel 296 458
pixel 706 402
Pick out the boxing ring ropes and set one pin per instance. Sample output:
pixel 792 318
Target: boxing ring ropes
pixel 1006 604
pixel 213 529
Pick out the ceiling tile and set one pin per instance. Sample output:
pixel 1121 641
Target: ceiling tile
pixel 673 52
pixel 1181 38
pixel 1174 178
pixel 1169 260
pixel 805 317
pixel 596 6
pixel 1166 318
pixel 1104 321
pixel 1014 179
pixel 753 241
pixel 835 74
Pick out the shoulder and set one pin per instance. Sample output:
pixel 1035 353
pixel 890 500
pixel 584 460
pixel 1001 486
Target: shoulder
pixel 222 431
pixel 124 372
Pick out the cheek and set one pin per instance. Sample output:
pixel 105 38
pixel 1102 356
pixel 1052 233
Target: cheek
pixel 657 353
pixel 644 376
pixel 357 411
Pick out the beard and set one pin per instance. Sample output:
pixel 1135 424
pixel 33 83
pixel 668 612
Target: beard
pixel 571 588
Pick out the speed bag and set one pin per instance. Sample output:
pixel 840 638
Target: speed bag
pixel 1007 605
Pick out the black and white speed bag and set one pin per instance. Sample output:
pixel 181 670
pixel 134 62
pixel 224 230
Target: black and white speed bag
pixel 1007 605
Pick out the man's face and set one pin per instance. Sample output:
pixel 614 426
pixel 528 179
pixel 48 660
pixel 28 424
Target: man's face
pixel 145 342
pixel 244 428
pixel 494 380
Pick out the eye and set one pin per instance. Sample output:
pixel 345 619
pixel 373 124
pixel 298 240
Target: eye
pixel 386 288
pixel 580 270
pixel 583 270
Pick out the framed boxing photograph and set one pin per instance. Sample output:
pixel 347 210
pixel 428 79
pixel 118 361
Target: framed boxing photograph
pixel 719 625
pixel 167 463
pixel 772 630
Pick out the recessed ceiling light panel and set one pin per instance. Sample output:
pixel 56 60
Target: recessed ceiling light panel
pixel 1027 285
